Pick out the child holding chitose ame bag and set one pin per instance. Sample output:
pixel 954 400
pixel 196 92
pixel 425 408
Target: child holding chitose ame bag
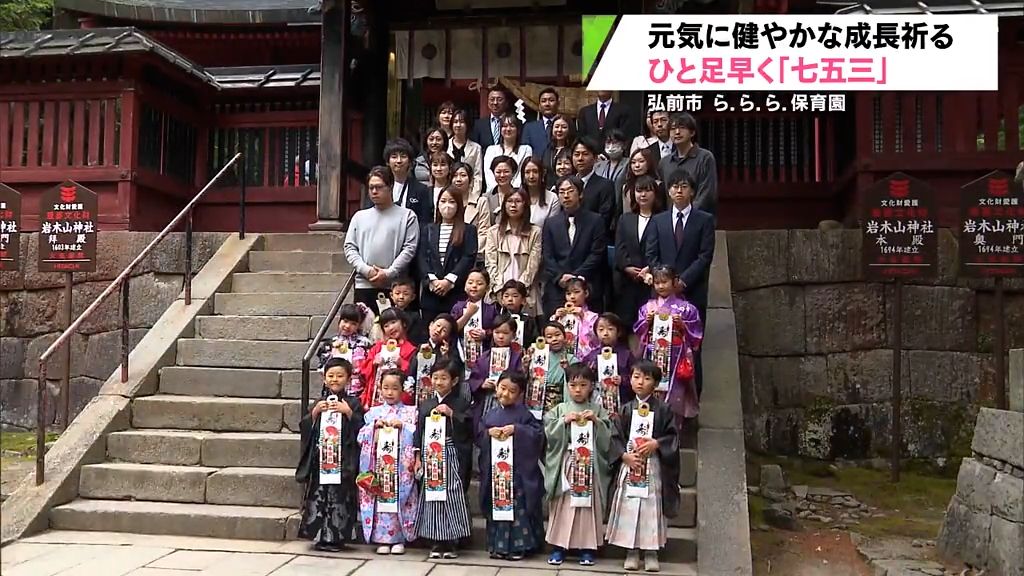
pixel 546 361
pixel 328 463
pixel 444 442
pixel 512 299
pixel 511 442
pixel 576 471
pixel 501 357
pixel 355 324
pixel 395 351
pixel 577 319
pixel 670 333
pixel 439 343
pixel 388 499
pixel 474 317
pixel 646 490
pixel 611 361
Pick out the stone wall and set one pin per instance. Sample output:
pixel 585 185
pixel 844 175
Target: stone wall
pixel 815 344
pixel 32 308
pixel 984 523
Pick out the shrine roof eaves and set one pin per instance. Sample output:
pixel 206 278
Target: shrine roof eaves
pixel 259 77
pixel 93 41
pixel 937 7
pixel 200 11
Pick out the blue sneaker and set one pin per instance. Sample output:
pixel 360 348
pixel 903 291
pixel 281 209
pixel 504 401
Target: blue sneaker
pixel 557 557
pixel 587 558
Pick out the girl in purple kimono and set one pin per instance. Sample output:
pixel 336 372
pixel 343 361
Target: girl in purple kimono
pixel 388 529
pixel 474 317
pixel 576 293
pixel 686 337
pixel 483 380
pixel 512 540
pixel 612 333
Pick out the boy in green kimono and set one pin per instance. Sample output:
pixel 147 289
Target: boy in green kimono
pixel 576 469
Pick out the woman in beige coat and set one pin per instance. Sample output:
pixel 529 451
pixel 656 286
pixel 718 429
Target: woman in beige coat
pixel 477 209
pixel 513 249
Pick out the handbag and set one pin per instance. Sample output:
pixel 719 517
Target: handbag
pixel 684 369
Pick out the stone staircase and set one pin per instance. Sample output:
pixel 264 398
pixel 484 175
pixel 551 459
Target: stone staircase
pixel 213 452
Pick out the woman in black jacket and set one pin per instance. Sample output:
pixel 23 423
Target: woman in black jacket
pixel 631 291
pixel 446 254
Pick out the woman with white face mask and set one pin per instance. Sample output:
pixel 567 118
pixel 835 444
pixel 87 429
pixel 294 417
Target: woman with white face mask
pixel 446 254
pixel 614 164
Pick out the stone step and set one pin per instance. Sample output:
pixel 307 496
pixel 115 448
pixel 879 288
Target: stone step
pixel 240 353
pixel 204 381
pixel 179 519
pixel 305 242
pixel 215 413
pixel 287 328
pixel 274 304
pixel 687 467
pixel 218 449
pixel 287 261
pixel 261 282
pixel 195 484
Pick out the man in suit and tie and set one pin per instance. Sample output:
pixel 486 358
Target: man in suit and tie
pixel 598 192
pixel 535 133
pixel 683 237
pixel 487 131
pixel 407 191
pixel 660 141
pixel 573 245
pixel 594 119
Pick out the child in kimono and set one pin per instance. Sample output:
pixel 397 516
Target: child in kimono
pixel 394 480
pixel 328 512
pixel 512 298
pixel 483 378
pixel 646 490
pixel 524 534
pixel 576 293
pixel 355 322
pixel 475 318
pixel 575 488
pixel 439 339
pixel 558 358
pixel 403 297
pixel 672 353
pixel 612 333
pixel 446 521
pixel 378 359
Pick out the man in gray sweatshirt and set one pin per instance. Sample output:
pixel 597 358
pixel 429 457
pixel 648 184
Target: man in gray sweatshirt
pixel 381 240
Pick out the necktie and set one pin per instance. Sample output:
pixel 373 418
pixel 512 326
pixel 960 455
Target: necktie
pixel 679 230
pixel 547 122
pixel 495 132
pixel 601 115
pixel 572 229
pixel 665 150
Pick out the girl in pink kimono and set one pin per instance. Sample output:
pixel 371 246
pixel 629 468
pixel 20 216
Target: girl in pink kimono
pixel 391 530
pixel 576 293
pixel 687 334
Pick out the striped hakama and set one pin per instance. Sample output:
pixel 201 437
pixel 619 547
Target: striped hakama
pixel 449 520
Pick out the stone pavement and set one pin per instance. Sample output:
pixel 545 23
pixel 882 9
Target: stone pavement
pixel 69 553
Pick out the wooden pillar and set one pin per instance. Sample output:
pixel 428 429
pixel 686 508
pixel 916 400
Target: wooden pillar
pixel 332 180
pixel 375 109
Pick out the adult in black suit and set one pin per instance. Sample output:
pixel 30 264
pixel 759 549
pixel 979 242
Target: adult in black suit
pixel 574 243
pixel 598 192
pixel 594 119
pixel 535 133
pixel 630 274
pixel 683 237
pixel 487 131
pixel 446 254
pixel 406 190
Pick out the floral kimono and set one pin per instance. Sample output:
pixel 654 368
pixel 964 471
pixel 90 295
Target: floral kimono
pixel 587 337
pixel 387 527
pixel 354 348
pixel 687 334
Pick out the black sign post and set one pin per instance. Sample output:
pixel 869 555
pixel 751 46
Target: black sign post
pixel 992 246
pixel 10 228
pixel 900 242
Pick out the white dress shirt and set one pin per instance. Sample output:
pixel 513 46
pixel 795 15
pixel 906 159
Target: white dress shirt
pixel 675 215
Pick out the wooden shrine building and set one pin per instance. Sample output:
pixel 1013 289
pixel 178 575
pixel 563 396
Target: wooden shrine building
pixel 145 101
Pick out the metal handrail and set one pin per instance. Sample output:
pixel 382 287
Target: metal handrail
pixel 122 281
pixel 311 351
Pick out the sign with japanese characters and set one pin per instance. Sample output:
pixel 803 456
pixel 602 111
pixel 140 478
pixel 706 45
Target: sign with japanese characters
pixel 67 229
pixel 579 473
pixel 435 467
pixel 10 228
pixel 502 468
pixel 641 430
pixel 797 52
pixel 900 235
pixel 329 445
pixel 992 228
pixel 539 358
pixel 386 469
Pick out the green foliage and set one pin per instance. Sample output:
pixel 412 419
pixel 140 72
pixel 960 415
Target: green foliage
pixel 25 14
